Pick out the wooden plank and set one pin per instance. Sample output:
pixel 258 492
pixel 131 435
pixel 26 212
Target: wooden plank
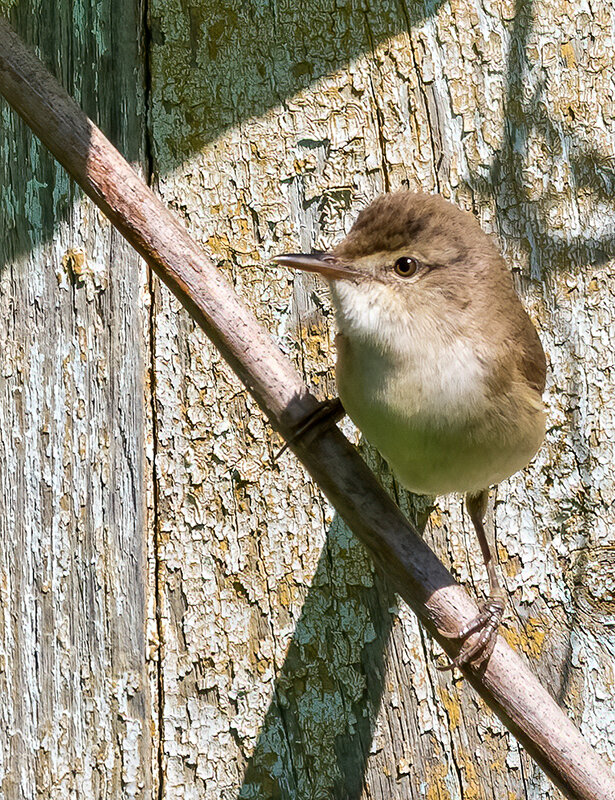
pixel 76 718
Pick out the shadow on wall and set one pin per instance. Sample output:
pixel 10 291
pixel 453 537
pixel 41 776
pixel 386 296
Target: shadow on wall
pixel 591 172
pixel 244 58
pixel 336 660
pixel 318 731
pixel 316 736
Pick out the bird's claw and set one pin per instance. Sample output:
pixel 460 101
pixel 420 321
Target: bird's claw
pixel 478 650
pixel 328 411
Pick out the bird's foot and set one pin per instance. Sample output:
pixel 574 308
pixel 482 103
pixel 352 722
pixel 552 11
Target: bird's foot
pixel 477 651
pixel 326 413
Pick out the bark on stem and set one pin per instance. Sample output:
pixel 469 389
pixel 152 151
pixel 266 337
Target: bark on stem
pixel 506 684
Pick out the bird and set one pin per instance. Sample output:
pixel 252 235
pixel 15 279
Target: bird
pixel 438 363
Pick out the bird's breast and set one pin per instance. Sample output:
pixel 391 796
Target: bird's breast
pixel 429 412
pixel 433 383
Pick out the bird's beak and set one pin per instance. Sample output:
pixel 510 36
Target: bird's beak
pixel 325 264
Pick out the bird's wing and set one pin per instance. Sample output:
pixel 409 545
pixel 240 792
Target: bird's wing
pixel 532 362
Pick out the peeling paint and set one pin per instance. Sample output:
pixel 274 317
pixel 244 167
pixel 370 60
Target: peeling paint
pixel 497 108
pixel 76 712
pixel 279 665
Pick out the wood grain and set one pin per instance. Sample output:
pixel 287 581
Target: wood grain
pixel 77 711
pixel 411 568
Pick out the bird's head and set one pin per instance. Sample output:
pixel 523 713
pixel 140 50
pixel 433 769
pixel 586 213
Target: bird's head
pixel 410 258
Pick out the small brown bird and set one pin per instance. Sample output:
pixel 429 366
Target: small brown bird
pixel 438 363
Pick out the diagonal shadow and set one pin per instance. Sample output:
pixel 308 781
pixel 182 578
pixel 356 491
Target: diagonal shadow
pixel 317 734
pixel 245 58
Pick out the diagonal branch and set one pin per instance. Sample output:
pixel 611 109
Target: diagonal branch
pixel 507 685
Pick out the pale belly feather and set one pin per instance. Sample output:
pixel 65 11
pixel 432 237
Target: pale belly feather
pixel 432 421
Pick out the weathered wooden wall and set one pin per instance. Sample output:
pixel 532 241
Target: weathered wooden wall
pixel 260 656
pixel 76 715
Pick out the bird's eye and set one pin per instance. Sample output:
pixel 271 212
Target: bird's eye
pixel 406 266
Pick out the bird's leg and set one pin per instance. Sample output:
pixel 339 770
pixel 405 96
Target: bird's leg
pixel 326 413
pixel 488 620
